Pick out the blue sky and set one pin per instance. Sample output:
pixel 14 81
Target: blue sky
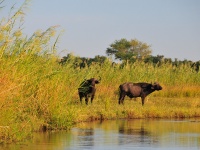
pixel 171 27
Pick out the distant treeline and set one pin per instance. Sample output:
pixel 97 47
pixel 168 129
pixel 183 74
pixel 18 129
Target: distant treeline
pixel 82 62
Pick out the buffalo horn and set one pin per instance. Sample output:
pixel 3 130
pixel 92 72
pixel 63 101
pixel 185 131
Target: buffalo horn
pixel 99 78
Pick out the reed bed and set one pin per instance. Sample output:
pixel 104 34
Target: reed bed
pixel 39 94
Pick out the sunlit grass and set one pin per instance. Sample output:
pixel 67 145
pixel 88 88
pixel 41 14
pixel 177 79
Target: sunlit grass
pixel 155 107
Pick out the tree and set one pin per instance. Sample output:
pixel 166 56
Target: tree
pixel 129 50
pixel 155 59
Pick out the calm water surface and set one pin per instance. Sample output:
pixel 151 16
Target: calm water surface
pixel 139 134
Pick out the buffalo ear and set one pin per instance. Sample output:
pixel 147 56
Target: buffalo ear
pixel 97 82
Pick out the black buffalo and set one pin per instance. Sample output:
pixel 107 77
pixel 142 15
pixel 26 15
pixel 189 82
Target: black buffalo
pixel 141 89
pixel 87 89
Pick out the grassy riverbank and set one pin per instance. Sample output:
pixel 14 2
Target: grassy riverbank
pixel 37 93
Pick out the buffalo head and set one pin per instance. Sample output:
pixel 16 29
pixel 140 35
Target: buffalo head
pixel 156 86
pixel 93 81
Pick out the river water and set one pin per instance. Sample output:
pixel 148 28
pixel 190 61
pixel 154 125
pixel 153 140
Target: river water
pixel 141 134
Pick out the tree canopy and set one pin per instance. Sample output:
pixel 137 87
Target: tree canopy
pixel 129 50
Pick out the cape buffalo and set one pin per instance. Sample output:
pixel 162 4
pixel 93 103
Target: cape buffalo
pixel 87 89
pixel 141 89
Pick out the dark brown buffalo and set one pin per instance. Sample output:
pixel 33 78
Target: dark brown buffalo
pixel 87 89
pixel 133 90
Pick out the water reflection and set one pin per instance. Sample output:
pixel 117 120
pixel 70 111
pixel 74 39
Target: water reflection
pixel 85 137
pixel 120 134
pixel 135 134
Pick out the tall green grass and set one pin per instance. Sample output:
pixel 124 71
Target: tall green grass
pixel 37 93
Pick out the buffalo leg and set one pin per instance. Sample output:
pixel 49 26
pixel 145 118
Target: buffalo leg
pixel 143 97
pixel 121 98
pixel 92 97
pixel 86 100
pixel 81 97
pixel 93 93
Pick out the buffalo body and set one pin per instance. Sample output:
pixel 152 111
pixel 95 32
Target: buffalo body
pixel 133 90
pixel 87 89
